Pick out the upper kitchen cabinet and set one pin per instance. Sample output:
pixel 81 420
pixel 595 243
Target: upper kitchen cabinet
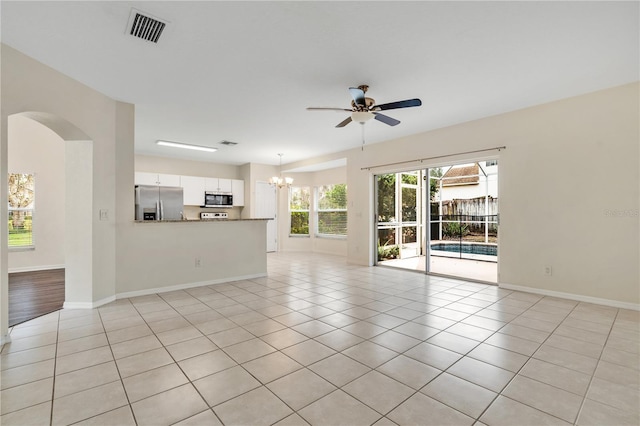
pixel 193 190
pixel 237 188
pixel 217 185
pixel 143 178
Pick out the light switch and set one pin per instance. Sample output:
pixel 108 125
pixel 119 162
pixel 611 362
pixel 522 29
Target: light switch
pixel 104 214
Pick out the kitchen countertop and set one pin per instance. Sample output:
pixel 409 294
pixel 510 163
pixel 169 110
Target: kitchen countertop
pixel 200 220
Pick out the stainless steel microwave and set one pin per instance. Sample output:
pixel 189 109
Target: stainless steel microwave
pixel 218 199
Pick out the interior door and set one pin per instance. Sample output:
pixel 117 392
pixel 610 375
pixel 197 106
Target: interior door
pixel 266 207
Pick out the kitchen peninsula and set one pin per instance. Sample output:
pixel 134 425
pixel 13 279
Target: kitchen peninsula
pixel 174 255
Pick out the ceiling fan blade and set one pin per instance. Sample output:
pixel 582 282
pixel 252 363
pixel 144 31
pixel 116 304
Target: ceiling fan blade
pixel 344 122
pixel 358 96
pixel 399 104
pixel 386 119
pixel 328 109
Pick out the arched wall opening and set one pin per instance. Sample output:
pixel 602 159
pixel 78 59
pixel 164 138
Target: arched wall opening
pixel 75 175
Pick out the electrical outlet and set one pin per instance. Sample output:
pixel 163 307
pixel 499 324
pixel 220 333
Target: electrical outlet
pixel 547 271
pixel 198 263
pixel 104 214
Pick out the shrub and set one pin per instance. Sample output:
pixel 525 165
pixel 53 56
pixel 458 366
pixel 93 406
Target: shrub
pixel 388 252
pixel 455 229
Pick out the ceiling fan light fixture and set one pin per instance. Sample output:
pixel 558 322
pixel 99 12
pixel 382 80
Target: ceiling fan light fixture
pixel 361 116
pixel 186 146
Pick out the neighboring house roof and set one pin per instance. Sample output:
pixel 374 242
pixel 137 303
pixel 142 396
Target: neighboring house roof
pixel 454 176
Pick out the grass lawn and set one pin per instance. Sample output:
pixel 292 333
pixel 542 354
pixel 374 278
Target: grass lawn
pixel 20 238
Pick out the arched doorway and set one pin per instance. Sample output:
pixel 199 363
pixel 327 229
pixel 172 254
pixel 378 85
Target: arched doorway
pixel 70 212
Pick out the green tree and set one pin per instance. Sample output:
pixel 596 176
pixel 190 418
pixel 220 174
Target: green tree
pixel 20 195
pixel 434 184
pixel 299 203
pixel 333 197
pixel 332 209
pixel 387 198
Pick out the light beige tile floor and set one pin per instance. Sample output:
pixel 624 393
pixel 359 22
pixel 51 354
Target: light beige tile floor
pixel 325 343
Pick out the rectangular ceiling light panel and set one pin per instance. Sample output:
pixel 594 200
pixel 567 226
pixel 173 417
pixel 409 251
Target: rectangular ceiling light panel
pixel 186 146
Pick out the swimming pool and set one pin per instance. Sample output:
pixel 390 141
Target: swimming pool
pixel 467 248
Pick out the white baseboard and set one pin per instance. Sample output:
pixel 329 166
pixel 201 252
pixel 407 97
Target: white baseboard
pixel 88 305
pixel 126 295
pixel 572 296
pixel 35 268
pixel 156 290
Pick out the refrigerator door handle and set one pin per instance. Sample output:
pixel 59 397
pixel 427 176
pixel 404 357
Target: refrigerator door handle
pixel 161 210
pixel 157 210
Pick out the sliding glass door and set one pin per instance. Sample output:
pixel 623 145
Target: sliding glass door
pixel 456 213
pixel 463 220
pixel 400 219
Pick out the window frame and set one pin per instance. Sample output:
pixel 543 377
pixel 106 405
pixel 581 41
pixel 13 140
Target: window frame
pixel 307 210
pixel 318 210
pixel 30 209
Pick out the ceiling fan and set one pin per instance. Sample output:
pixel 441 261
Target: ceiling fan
pixel 363 108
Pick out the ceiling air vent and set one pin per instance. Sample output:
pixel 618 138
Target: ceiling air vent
pixel 145 27
pixel 228 143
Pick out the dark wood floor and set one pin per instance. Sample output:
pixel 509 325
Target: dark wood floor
pixel 32 294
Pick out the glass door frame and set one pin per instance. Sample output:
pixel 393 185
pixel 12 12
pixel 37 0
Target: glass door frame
pixel 399 224
pixel 424 215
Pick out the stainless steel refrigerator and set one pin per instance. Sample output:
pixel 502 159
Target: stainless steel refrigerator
pixel 159 202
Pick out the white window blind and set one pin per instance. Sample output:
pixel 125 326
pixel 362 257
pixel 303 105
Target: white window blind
pixel 331 210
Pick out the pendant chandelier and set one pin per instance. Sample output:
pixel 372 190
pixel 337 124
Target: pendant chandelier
pixel 280 181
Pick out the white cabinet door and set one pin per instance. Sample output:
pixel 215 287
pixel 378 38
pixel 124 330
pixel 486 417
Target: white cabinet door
pixel 193 190
pixel 211 184
pixel 225 185
pixel 237 188
pixel 217 185
pixel 143 178
pixel 168 180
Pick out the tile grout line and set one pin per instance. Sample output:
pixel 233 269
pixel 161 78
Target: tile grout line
pixel 55 366
pixel 126 394
pixel 596 369
pixel 531 357
pixel 362 288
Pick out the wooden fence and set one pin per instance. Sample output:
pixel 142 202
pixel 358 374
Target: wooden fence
pixel 470 212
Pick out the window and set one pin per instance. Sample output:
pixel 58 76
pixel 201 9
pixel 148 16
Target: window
pixel 331 210
pixel 299 202
pixel 21 205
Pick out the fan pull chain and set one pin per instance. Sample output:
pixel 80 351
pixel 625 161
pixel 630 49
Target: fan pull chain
pixel 362 124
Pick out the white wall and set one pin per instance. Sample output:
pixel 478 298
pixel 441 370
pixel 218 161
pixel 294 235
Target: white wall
pixel 572 163
pixel 76 113
pixel 175 166
pixel 164 254
pixel 34 148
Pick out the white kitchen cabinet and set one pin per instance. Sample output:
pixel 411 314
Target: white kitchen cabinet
pixel 193 190
pixel 237 188
pixel 168 180
pixel 144 178
pixel 217 185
